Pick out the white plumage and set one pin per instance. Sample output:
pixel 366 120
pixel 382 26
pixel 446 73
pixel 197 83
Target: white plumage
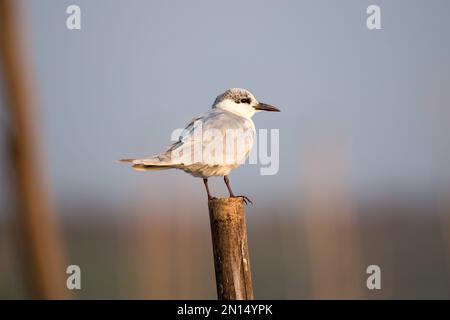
pixel 215 143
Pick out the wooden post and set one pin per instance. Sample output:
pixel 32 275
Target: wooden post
pixel 231 256
pixel 42 246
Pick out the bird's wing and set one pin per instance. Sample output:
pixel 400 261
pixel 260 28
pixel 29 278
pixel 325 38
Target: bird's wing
pixel 203 140
pixel 165 159
pixel 187 132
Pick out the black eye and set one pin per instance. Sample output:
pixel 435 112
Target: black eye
pixel 245 100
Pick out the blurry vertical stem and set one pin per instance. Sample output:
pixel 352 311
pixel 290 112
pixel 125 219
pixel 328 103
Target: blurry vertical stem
pixel 42 247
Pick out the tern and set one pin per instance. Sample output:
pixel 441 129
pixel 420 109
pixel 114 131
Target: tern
pixel 213 144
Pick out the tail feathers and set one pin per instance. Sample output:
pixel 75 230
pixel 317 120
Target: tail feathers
pixel 126 160
pixel 143 167
pixel 148 164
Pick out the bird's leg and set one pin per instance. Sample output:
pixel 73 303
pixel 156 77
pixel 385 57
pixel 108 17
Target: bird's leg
pixel 205 181
pixel 227 182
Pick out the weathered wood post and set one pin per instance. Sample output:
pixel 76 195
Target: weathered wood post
pixel 231 256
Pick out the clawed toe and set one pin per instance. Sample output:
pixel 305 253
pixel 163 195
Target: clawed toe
pixel 244 198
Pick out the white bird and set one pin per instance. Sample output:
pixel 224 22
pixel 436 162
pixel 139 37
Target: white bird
pixel 213 144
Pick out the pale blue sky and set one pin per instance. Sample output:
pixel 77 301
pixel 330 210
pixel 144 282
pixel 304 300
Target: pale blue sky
pixel 139 69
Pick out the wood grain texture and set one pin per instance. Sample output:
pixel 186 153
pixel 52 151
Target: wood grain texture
pixel 230 246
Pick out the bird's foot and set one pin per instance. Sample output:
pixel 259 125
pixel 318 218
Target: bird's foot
pixel 244 198
pixel 211 198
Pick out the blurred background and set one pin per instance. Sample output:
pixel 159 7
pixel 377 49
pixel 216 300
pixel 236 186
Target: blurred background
pixel 364 146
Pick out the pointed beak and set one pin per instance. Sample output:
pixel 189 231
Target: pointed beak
pixel 266 107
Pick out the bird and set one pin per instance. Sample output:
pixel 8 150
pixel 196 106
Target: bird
pixel 225 131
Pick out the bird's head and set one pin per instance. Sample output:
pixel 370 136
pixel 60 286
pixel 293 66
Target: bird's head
pixel 241 102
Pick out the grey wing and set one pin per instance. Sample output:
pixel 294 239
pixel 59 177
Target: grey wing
pixel 187 132
pixel 203 141
pixel 166 157
pixel 189 147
